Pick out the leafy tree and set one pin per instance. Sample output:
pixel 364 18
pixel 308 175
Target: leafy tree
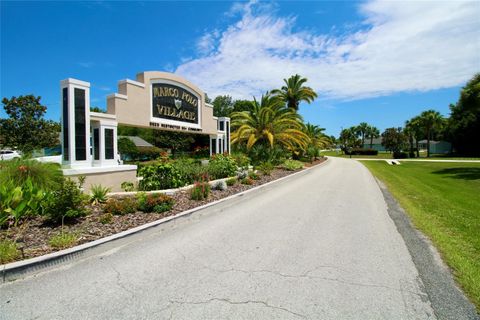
pixel 25 128
pixel 242 105
pixel 222 106
pixel 431 122
pixel 393 139
pixel 348 139
pixel 464 121
pixel 413 131
pixel 294 92
pixel 176 141
pixel 269 123
pixel 318 140
pixel 126 146
pixel 97 109
pixel 372 133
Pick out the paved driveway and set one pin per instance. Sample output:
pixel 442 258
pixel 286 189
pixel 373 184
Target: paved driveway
pixel 320 245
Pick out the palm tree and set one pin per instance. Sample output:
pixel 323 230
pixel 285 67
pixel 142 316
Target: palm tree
pixel 294 92
pixel 318 140
pixel 430 121
pixel 269 123
pixel 414 130
pixel 362 130
pixel 372 133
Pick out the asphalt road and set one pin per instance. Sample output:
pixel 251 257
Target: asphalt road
pixel 320 245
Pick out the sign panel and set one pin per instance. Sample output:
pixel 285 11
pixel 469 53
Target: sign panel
pixel 174 103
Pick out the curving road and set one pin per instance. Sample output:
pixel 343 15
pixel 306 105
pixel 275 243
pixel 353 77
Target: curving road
pixel 319 245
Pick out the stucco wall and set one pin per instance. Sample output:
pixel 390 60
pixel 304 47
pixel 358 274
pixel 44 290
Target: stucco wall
pixel 112 180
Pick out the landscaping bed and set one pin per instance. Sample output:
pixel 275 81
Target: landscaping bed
pixel 33 238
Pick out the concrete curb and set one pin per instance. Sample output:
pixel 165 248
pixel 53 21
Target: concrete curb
pixel 15 270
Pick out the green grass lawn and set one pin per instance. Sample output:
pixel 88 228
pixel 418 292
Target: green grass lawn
pixel 388 155
pixel 443 201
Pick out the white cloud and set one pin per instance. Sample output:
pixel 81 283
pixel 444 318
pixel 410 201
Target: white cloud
pixel 402 46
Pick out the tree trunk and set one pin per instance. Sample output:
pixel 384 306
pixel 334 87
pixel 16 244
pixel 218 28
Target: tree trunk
pixel 428 144
pixel 416 144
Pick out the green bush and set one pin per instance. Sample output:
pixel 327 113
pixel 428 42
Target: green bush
pixel 120 206
pixel 127 186
pixel 63 240
pixel 200 191
pixel 231 181
pixel 247 181
pixel 266 168
pixel 159 177
pixel 292 165
pixel 221 166
pixel 252 175
pixel 241 159
pixel 106 218
pixel 8 251
pixel 264 153
pixel 362 152
pixel 400 155
pixel 190 170
pixel 18 202
pixel 157 202
pixel 45 176
pixel 98 194
pixel 66 202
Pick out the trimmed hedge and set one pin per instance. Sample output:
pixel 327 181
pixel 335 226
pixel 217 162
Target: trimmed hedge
pixel 362 152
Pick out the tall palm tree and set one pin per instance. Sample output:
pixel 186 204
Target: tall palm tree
pixel 430 121
pixel 362 130
pixel 372 133
pixel 293 92
pixel 269 123
pixel 316 135
pixel 414 130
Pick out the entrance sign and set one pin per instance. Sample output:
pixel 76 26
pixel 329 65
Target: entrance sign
pixel 174 103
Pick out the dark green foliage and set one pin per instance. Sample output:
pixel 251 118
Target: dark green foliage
pixel 266 168
pixel 127 186
pixel 46 176
pixel 292 165
pixel 157 202
pixel 127 147
pixel 247 181
pixel 97 109
pixel 241 159
pixel 200 191
pixel 66 202
pixel 363 152
pixel 261 153
pixel 222 106
pixel 190 170
pixel 252 175
pixel 400 155
pixel 464 122
pixel 120 206
pixel 393 139
pixel 221 166
pixel 242 105
pixel 25 127
pixel 159 177
pixel 98 194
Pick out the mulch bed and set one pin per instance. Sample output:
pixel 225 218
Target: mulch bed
pixel 33 235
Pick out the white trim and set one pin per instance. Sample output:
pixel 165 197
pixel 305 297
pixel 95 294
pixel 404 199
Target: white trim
pixel 88 170
pixel 102 115
pixel 132 82
pixel 117 95
pixel 66 82
pixel 209 105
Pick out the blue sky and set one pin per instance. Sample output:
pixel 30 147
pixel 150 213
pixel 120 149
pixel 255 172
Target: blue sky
pixel 379 62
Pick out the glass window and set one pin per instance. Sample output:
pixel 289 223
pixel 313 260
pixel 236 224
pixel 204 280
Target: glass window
pixel 80 125
pixel 96 144
pixel 65 123
pixel 109 144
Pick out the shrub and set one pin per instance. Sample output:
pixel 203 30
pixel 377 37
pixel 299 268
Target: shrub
pixel 231 181
pixel 160 176
pixel 120 206
pixel 8 251
pixel 220 185
pixel 362 152
pixel 190 170
pixel 292 165
pixel 63 240
pixel 66 202
pixel 247 181
pixel 221 166
pixel 200 191
pixel 106 218
pixel 46 176
pixel 157 202
pixel 98 194
pixel 266 168
pixel 18 202
pixel 127 186
pixel 241 160
pixel 264 153
pixel 252 175
pixel 400 155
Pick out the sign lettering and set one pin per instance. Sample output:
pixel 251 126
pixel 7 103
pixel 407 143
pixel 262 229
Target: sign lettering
pixel 174 103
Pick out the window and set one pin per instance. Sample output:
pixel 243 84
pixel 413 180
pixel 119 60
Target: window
pixel 96 144
pixel 65 124
pixel 109 144
pixel 80 125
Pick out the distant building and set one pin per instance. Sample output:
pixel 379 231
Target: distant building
pixel 436 147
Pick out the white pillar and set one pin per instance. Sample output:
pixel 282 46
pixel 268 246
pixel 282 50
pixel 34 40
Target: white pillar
pixel 75 103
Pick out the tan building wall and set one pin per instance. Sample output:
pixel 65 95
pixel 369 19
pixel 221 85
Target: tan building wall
pixel 132 104
pixel 112 180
